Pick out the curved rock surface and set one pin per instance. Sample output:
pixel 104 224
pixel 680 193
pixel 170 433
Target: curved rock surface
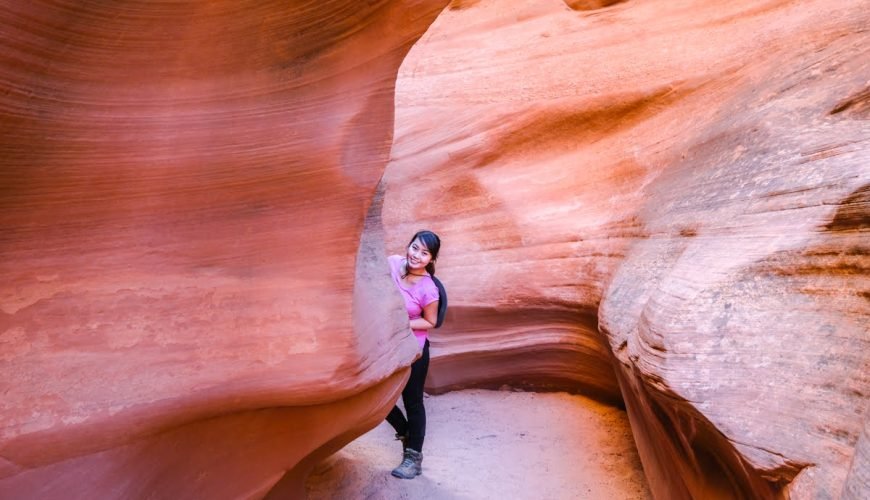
pixel 183 192
pixel 677 189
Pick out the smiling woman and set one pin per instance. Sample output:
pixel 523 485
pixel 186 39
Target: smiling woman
pixel 413 275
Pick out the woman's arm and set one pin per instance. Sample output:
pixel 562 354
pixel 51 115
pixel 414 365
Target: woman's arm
pixel 430 317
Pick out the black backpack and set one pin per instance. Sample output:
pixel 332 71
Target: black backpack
pixel 442 301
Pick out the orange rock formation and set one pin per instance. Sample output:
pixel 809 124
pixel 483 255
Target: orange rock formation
pixel 187 309
pixel 663 203
pixel 677 189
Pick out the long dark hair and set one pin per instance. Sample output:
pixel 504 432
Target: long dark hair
pixel 433 243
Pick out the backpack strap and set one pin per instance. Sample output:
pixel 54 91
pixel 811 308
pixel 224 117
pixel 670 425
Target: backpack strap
pixel 442 301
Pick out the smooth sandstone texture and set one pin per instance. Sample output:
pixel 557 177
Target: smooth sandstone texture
pixel 189 308
pixel 677 189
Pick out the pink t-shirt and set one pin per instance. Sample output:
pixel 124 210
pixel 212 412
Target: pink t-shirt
pixel 417 296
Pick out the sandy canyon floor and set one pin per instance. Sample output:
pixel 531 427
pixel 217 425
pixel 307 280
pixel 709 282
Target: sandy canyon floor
pixel 496 445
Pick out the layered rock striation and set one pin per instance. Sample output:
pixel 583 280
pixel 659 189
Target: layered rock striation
pixel 189 308
pixel 665 202
pixel 660 204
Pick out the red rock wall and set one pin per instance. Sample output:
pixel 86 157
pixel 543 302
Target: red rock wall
pixel 858 479
pixel 674 189
pixel 183 193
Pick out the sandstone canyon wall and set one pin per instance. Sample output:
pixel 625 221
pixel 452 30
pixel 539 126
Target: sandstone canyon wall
pixel 189 308
pixel 661 201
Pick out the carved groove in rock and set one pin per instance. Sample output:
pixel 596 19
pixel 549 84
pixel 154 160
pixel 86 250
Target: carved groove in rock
pixel 583 5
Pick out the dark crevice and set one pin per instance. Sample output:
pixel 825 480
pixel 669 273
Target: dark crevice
pixel 591 4
pixel 853 212
pixel 857 104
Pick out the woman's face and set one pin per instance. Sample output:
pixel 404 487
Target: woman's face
pixel 418 256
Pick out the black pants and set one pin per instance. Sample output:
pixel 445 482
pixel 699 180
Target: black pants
pixel 412 395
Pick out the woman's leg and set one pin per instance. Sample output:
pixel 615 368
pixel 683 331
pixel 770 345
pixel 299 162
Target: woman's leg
pixel 413 399
pixel 398 421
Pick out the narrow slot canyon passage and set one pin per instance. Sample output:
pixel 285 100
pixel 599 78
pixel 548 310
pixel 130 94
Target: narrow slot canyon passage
pixel 484 444
pixel 665 203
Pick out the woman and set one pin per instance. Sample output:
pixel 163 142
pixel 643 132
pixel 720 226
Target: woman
pixel 412 274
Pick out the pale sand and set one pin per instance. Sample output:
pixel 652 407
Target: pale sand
pixel 496 445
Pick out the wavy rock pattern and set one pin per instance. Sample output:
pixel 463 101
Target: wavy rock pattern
pixel 674 189
pixel 182 199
